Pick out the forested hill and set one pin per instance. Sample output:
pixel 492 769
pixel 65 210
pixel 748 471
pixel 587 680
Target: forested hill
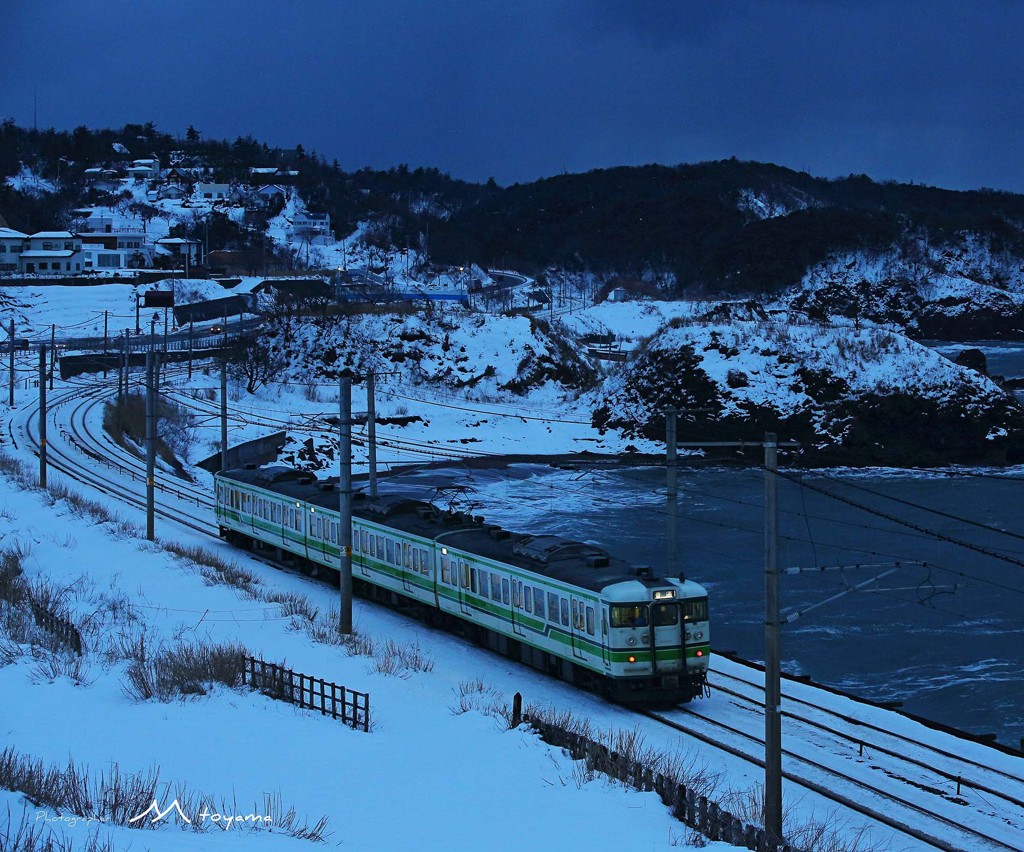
pixel 726 227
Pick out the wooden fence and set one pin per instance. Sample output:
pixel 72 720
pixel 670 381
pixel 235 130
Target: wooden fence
pixel 331 699
pixel 696 811
pixel 59 627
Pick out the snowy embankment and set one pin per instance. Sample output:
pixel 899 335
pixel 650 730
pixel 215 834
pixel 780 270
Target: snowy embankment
pixel 427 776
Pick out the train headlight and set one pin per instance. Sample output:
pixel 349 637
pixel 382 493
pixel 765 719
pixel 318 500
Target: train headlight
pixel 631 640
pixel 631 659
pixel 699 634
pixel 688 636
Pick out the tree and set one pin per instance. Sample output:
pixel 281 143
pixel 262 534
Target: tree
pixel 192 135
pixel 254 361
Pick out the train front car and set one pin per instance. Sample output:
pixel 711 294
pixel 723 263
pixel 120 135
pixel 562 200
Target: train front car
pixel 658 636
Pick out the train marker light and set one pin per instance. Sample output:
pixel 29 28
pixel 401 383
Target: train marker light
pixel 700 653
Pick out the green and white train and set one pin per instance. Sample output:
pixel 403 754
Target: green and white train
pixel 562 606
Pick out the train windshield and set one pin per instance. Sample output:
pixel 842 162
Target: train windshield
pixel 695 610
pixel 665 615
pixel 631 615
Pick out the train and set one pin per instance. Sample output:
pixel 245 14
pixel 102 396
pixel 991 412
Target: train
pixel 565 607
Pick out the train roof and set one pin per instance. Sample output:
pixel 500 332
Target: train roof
pixel 577 563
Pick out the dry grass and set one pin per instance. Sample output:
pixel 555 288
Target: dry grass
pixel 187 669
pixel 391 658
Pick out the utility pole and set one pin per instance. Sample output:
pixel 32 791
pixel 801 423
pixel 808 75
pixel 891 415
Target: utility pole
pixel 53 352
pixel 10 399
pixel 371 430
pixel 138 327
pixel 120 376
pixel 165 331
pixel 671 488
pixel 345 507
pixel 224 414
pixel 105 343
pixel 772 686
pixel 42 416
pixel 190 336
pixel 150 440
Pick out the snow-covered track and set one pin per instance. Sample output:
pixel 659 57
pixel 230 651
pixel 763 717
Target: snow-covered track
pixel 870 740
pixel 65 458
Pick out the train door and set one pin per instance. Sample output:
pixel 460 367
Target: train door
pixel 464 581
pixel 405 558
pixel 606 654
pixel 666 638
pixel 578 623
pixel 517 607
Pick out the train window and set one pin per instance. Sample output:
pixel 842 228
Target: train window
pixel 334 533
pixel 695 610
pixel 516 586
pixel 465 574
pixel 415 560
pixel 629 616
pixel 577 619
pixel 552 607
pixel 564 606
pixel 504 591
pixel 319 528
pixel 496 587
pixel 446 571
pixel 538 603
pixel 424 562
pixel 590 620
pixel 389 546
pixel 484 582
pixel 528 598
pixel 472 580
pixel 664 615
pixel 406 555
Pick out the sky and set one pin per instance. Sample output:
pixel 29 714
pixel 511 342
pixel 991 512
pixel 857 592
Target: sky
pixel 921 90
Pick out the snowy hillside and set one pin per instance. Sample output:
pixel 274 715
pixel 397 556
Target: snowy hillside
pixel 863 395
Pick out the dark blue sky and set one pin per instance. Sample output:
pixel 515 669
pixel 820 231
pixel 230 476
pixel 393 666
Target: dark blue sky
pixel 920 90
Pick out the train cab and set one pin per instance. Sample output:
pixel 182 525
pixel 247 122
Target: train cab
pixel 657 638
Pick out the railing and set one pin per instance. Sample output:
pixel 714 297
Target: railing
pixel 58 627
pixel 330 699
pixel 687 806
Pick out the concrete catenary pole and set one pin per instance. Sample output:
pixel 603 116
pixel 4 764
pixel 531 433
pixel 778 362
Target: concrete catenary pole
pixel 345 506
pixel 672 489
pixel 772 686
pixel 10 394
pixel 224 414
pixel 42 416
pixel 53 352
pixel 150 441
pixel 371 431
pixel 105 329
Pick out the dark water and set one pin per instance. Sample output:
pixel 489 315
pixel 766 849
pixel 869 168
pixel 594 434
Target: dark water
pixel 946 638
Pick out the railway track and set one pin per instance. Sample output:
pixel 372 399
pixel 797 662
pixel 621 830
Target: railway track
pixel 951 801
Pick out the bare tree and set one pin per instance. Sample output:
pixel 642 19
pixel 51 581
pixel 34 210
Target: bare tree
pixel 254 361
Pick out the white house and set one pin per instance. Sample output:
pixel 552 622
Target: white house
pixel 211 191
pixel 51 253
pixel 144 169
pixel 316 227
pixel 98 256
pixel 11 244
pixel 182 249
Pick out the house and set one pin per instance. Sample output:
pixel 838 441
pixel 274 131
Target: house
pixel 51 253
pixel 312 226
pixel 145 169
pixel 180 250
pixel 174 191
pixel 11 244
pixel 103 180
pixel 270 190
pixel 100 256
pixel 211 191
